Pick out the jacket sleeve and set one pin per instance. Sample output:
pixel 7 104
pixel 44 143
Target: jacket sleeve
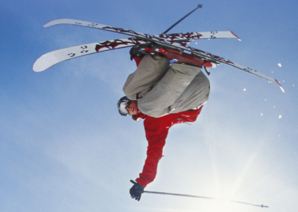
pixel 156 134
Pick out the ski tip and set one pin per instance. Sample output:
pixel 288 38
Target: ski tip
pixel 280 86
pixel 51 23
pixel 43 63
pixel 282 89
pixel 37 67
pixel 55 22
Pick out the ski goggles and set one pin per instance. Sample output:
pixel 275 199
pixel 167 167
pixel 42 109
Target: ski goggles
pixel 123 104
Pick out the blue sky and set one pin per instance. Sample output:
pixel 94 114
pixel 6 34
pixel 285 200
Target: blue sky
pixel 64 146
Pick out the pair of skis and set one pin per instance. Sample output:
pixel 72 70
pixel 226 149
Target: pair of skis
pixel 175 41
pixel 179 39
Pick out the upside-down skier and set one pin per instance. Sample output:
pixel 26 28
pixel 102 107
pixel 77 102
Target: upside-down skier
pixel 163 94
pixel 158 92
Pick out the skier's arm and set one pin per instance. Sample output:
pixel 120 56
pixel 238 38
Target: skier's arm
pixel 156 133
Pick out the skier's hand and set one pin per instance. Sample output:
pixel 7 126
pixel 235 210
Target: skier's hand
pixel 138 51
pixel 136 191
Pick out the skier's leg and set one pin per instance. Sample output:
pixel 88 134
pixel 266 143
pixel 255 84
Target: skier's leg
pixel 157 102
pixel 195 95
pixel 150 70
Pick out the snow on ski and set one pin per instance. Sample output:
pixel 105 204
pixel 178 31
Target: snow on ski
pixel 51 58
pixel 188 36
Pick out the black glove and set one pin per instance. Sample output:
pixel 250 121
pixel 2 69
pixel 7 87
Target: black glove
pixel 138 50
pixel 136 191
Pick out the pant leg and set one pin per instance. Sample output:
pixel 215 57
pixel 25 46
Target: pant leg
pixel 150 70
pixel 158 101
pixel 195 95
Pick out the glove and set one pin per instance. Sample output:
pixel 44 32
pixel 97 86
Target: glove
pixel 138 51
pixel 136 191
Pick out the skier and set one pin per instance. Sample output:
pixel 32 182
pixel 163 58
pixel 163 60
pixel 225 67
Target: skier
pixel 163 94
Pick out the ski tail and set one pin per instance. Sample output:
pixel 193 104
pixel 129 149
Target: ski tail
pixel 280 86
pixel 236 36
pixel 216 59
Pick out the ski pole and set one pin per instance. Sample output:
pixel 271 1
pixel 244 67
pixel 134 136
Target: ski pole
pixel 199 6
pixel 201 197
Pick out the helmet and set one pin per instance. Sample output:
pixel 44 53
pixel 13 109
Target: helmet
pixel 122 104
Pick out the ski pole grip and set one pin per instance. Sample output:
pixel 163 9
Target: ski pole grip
pixel 133 182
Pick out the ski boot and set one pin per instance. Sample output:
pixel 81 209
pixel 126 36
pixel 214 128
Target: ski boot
pixel 177 56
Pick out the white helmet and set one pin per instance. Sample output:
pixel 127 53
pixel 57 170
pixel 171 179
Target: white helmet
pixel 122 104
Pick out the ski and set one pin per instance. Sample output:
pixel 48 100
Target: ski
pixel 216 59
pixel 176 42
pixel 177 37
pixel 54 57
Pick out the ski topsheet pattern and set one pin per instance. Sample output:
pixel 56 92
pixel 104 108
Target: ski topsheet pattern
pixel 52 58
pixel 177 37
pixel 57 56
pixel 175 41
